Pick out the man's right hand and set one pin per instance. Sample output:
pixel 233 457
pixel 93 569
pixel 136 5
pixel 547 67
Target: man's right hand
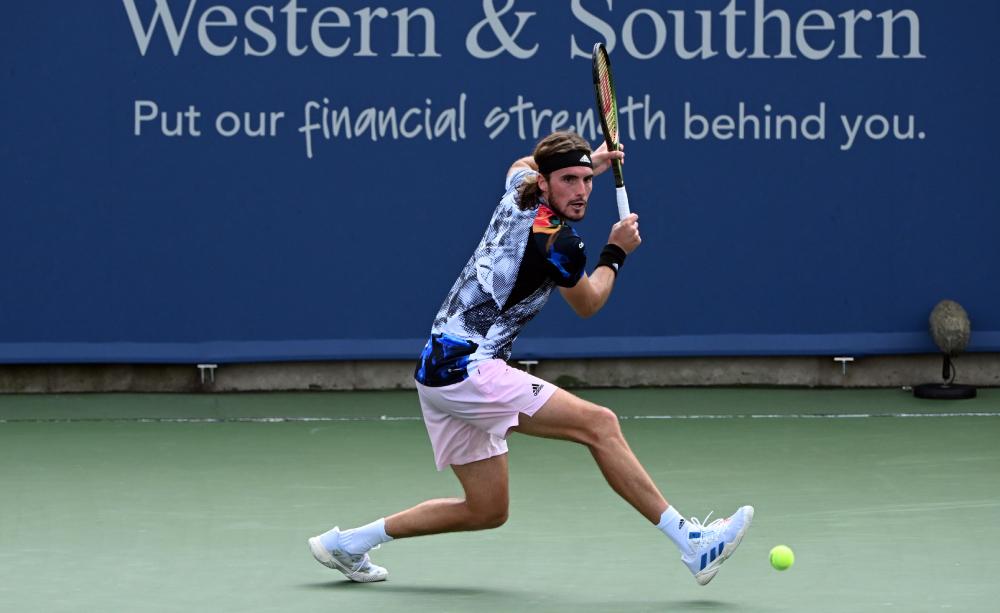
pixel 625 234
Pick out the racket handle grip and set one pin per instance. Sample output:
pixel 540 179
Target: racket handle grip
pixel 622 196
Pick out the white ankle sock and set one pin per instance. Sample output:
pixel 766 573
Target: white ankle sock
pixel 357 540
pixel 676 527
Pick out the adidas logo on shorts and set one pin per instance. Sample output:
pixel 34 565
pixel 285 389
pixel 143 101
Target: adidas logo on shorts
pixel 535 388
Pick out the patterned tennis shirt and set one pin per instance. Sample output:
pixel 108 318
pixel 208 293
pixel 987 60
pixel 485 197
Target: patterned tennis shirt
pixel 521 258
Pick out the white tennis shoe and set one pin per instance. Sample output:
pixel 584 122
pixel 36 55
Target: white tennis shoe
pixel 712 545
pixel 356 567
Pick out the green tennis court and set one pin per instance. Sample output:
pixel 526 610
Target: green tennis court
pixel 204 503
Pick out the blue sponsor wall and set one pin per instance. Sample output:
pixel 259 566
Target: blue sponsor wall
pixel 169 193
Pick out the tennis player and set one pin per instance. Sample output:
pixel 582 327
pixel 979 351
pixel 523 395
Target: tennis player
pixel 472 400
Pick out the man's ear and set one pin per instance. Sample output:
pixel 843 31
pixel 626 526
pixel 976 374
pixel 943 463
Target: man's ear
pixel 543 186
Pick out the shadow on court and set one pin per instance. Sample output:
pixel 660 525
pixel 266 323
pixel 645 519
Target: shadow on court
pixel 501 598
pixel 619 606
pixel 416 590
pixel 699 605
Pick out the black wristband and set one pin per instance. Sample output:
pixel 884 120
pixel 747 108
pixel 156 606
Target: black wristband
pixel 612 256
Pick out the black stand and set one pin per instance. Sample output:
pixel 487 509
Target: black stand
pixel 946 390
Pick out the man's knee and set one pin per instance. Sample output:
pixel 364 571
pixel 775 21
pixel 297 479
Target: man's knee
pixel 489 516
pixel 603 424
pixel 496 518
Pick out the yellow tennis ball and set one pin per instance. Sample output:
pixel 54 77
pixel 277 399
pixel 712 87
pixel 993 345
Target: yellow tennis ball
pixel 782 557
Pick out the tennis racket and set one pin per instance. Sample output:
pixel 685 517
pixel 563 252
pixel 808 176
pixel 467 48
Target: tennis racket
pixel 607 110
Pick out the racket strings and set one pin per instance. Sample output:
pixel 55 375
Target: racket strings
pixel 608 107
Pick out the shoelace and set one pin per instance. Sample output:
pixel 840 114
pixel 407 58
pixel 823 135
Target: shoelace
pixel 699 525
pixel 365 562
pixel 358 561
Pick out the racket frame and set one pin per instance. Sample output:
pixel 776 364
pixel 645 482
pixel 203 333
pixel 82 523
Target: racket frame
pixel 605 106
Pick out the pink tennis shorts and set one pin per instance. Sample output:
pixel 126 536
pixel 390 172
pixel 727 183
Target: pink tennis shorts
pixel 469 420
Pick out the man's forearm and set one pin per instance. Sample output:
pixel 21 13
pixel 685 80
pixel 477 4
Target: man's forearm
pixel 602 280
pixel 590 294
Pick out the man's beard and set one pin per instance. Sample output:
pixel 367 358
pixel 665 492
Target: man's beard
pixel 569 212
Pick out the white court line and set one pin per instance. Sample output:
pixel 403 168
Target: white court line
pixel 815 416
